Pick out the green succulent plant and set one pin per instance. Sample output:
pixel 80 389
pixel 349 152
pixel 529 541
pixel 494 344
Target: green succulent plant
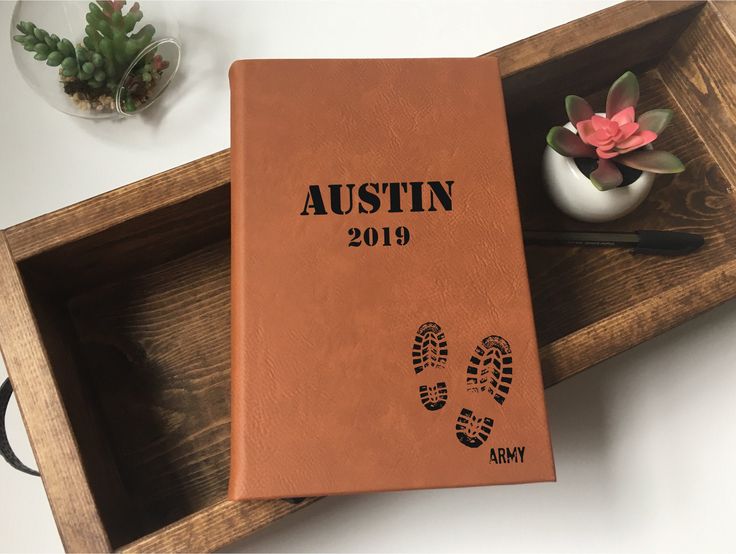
pixel 110 45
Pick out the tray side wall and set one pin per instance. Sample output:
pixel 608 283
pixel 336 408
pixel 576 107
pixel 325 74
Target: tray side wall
pixel 44 416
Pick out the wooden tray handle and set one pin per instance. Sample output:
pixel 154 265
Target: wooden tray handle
pixel 6 390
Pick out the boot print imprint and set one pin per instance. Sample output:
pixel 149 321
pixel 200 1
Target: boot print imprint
pixel 490 368
pixel 429 352
pixel 433 397
pixel 472 431
pixel 430 347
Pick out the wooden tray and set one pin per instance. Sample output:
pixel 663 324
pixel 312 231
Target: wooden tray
pixel 114 313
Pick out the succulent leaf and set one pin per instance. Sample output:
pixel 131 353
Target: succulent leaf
pixel 55 58
pixel 42 49
pixel 568 144
pixel 578 109
pixel 69 63
pixel 655 120
pixel 624 92
pixel 66 47
pixel 606 176
pixel 655 161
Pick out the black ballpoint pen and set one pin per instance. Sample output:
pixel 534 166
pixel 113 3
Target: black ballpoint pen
pixel 664 243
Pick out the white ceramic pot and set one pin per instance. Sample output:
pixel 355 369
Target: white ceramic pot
pixel 574 194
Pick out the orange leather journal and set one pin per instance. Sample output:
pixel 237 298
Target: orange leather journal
pixel 382 331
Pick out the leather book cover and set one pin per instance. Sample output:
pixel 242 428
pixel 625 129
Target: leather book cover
pixel 382 328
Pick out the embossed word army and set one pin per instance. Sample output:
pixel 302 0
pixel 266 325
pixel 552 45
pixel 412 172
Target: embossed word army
pixel 371 198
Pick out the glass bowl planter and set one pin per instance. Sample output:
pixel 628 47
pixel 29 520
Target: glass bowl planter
pixel 129 93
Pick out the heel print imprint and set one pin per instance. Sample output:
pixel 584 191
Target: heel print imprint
pixel 433 397
pixel 429 352
pixel 430 348
pixel 490 368
pixel 472 431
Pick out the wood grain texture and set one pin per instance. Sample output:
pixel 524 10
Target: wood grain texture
pixel 155 353
pixel 130 290
pixel 54 447
pixel 581 34
pixel 700 72
pixel 120 205
pixel 583 54
pixel 216 526
pixel 727 11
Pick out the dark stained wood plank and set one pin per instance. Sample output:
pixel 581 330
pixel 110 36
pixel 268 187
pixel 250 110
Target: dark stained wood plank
pixel 585 53
pixel 155 352
pixel 216 526
pixel 53 444
pixel 117 206
pixel 581 34
pixel 727 11
pixel 623 330
pixel 700 72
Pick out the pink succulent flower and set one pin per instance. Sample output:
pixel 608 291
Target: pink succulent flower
pixel 618 135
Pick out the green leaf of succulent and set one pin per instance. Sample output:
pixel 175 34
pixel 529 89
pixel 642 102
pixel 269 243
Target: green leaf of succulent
pixel 578 109
pixel 105 48
pixel 606 176
pixel 40 56
pixel 100 25
pixel 624 92
pixel 55 58
pixel 69 72
pixel 88 67
pixel 66 47
pixel 145 33
pixel 655 161
pixel 655 120
pixel 568 144
pixel 27 27
pixel 83 55
pixel 95 12
pixel 29 46
pixel 19 38
pixel 97 59
pixel 43 49
pixel 146 77
pixel 117 19
pixel 100 76
pixel 40 34
pixel 69 63
pixel 106 6
pixel 132 18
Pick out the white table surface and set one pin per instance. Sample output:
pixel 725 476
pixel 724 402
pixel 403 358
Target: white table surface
pixel 644 443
